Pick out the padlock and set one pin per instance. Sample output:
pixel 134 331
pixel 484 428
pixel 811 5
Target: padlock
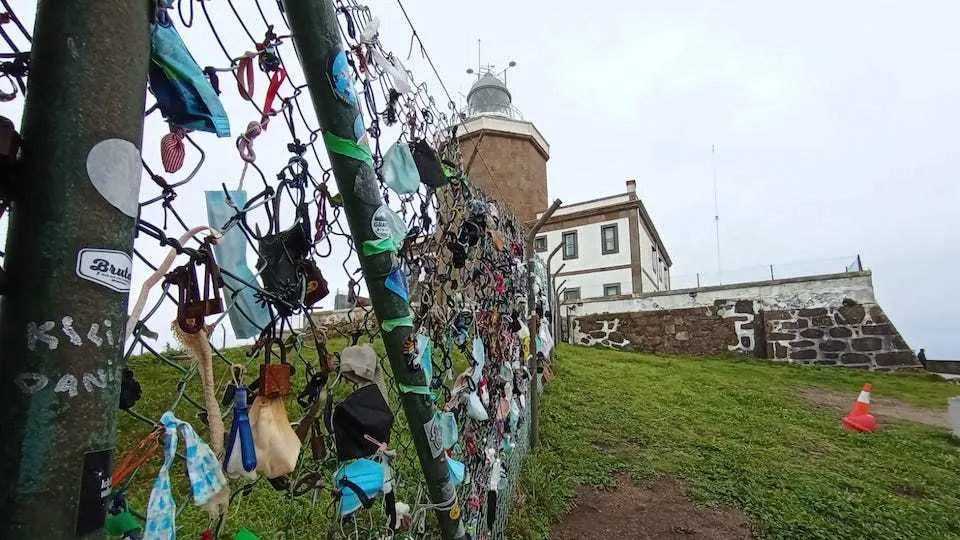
pixel 211 279
pixel 275 377
pixel 189 314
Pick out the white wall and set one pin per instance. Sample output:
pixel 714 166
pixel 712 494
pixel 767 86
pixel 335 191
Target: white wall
pixel 591 285
pixel 795 293
pixel 590 254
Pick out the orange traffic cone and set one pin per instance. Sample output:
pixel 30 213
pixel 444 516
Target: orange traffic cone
pixel 860 418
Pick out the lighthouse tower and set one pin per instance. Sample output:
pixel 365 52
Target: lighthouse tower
pixel 511 163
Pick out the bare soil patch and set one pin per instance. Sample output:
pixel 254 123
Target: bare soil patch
pixel 882 408
pixel 661 510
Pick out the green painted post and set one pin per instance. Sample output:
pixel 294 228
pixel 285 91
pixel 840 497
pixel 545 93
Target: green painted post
pixel 317 39
pixel 68 265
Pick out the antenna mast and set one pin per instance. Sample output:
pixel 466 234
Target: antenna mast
pixel 716 209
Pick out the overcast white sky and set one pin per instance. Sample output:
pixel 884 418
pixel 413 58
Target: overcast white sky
pixel 836 124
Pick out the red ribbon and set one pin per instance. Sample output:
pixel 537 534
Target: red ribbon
pixel 245 75
pixel 275 81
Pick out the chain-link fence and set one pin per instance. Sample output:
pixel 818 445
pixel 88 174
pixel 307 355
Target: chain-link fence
pixel 241 235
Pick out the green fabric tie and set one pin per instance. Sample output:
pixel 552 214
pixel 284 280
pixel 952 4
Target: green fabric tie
pixel 346 147
pixel 412 389
pixel 389 324
pixel 376 247
pixel 122 523
pixel 244 534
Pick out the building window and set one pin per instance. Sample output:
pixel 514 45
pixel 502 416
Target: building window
pixel 654 259
pixel 612 289
pixel 540 244
pixel 571 294
pixel 570 245
pixel 609 238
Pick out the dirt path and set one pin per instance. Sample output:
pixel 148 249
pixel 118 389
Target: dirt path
pixel 661 510
pixel 881 408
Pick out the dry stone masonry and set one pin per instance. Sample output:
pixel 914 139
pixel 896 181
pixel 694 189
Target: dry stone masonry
pixel 848 334
pixel 851 334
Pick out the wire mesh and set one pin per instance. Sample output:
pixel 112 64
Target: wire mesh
pixel 462 255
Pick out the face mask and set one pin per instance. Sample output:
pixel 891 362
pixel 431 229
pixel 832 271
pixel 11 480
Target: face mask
pixel 281 255
pixel 359 482
pixel 399 170
pixel 475 408
pixel 184 94
pixel 457 471
pixel 247 317
pixel 206 478
pixel 544 341
pixel 448 427
pixel 428 164
pixel 480 357
pixel 387 224
pixel 359 365
pixel 425 358
pixel 364 412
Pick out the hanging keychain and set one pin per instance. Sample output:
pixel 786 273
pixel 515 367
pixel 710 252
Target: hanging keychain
pixel 241 457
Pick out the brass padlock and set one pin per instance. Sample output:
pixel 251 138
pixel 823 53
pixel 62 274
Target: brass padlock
pixel 275 377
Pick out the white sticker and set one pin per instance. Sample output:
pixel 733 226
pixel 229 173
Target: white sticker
pixel 110 268
pixel 114 168
pixel 434 437
pixel 386 224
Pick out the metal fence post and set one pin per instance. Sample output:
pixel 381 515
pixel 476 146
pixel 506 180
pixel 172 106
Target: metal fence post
pixel 531 308
pixel 75 200
pixel 316 36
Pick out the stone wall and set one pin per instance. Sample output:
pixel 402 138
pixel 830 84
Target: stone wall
pixel 852 334
pixel 695 331
pixel 849 334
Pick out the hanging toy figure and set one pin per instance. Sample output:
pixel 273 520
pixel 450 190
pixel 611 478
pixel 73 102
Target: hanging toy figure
pixel 241 457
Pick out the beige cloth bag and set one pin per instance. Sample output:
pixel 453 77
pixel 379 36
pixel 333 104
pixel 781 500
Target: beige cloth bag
pixel 278 446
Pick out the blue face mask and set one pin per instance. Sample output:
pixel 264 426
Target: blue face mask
pixel 184 94
pixel 457 471
pixel 247 317
pixel 206 478
pixel 359 483
pixel 480 357
pixel 399 170
pixel 425 357
pixel 448 427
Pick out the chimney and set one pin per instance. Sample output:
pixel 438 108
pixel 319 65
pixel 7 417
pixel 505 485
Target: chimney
pixel 632 186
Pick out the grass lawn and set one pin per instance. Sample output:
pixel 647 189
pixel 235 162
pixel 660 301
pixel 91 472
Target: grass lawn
pixel 261 509
pixel 737 433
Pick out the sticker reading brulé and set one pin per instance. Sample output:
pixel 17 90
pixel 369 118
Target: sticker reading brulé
pixel 110 268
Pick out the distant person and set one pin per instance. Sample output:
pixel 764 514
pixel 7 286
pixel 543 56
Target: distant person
pixel 922 357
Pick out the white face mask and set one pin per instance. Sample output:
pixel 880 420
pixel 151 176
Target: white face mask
pixel 475 409
pixel 203 467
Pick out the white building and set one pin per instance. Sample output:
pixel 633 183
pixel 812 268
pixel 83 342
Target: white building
pixel 606 247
